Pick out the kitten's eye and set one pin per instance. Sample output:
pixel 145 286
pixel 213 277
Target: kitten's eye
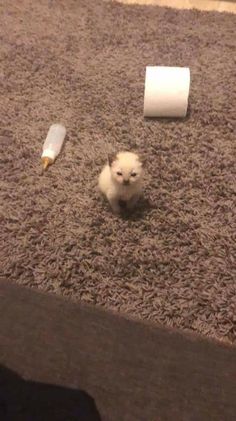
pixel 133 174
pixel 119 173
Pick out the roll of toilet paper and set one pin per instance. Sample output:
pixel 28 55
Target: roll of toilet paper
pixel 166 91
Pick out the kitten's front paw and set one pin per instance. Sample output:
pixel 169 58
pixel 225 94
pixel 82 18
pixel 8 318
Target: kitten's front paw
pixel 130 206
pixel 132 202
pixel 116 209
pixel 114 205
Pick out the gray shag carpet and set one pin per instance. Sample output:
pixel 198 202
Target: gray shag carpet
pixel 83 62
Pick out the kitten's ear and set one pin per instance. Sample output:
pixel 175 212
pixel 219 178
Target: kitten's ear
pixel 142 161
pixel 111 158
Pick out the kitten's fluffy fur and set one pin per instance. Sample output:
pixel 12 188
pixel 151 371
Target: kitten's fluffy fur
pixel 121 180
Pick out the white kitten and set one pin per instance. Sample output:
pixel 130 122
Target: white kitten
pixel 121 180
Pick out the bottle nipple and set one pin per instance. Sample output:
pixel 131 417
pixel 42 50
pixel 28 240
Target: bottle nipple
pixel 46 162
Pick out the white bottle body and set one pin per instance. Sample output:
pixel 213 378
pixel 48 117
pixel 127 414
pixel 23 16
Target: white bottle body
pixel 54 141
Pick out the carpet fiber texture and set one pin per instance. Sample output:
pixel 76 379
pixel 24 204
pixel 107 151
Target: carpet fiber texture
pixel 83 63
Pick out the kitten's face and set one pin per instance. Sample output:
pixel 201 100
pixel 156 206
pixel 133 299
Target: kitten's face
pixel 126 169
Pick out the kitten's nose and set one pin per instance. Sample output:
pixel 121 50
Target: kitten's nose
pixel 126 182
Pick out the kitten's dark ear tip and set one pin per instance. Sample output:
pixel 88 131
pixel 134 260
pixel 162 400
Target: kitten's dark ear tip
pixel 142 161
pixel 111 158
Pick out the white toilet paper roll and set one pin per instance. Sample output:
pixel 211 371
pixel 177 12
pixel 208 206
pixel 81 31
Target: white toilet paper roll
pixel 166 91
